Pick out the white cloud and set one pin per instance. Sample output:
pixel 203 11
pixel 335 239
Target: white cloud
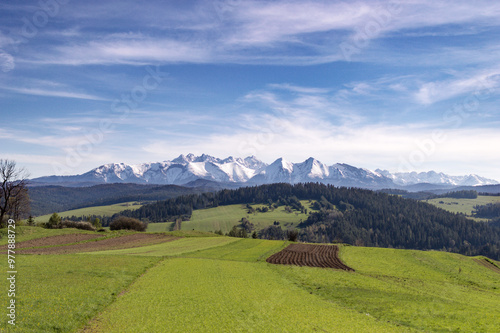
pixel 40 87
pixel 131 50
pixel 54 93
pixel 480 84
pixel 257 32
pixel 370 146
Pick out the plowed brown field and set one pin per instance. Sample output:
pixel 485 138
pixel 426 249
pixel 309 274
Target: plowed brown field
pixel 114 243
pixel 309 255
pixel 56 240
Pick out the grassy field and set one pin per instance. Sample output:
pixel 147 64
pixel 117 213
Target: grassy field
pixel 61 293
pixel 199 295
pixel 206 284
pixel 464 206
pixel 241 250
pixel 177 247
pixel 428 291
pixel 96 210
pixel 160 227
pixel 225 217
pixel 424 291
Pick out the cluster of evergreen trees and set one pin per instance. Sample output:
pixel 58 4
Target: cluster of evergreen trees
pixel 488 211
pixel 464 194
pixel 349 215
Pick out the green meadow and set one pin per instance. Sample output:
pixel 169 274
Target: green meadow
pixel 200 295
pixel 160 227
pixel 225 217
pixel 108 210
pixel 173 248
pixel 464 206
pixel 60 293
pixel 203 283
pixel 242 250
pixel 424 290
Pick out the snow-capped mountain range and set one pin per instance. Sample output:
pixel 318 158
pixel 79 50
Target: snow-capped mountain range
pixel 189 168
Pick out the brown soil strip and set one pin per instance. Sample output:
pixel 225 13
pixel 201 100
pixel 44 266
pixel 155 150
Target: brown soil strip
pixel 309 255
pixel 488 264
pixel 115 243
pixel 56 240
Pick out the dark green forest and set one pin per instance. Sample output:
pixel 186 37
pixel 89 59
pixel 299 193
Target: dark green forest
pixel 489 211
pixel 49 199
pixel 349 215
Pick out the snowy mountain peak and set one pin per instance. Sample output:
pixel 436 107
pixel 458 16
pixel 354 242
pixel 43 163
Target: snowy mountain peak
pixel 184 158
pixel 288 166
pixel 433 177
pixel 188 168
pixel 253 163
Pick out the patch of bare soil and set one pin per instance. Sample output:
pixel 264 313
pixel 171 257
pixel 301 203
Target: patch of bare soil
pixel 115 243
pixel 56 240
pixel 309 255
pixel 488 264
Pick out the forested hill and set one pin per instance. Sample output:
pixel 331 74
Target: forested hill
pixel 349 215
pixel 49 199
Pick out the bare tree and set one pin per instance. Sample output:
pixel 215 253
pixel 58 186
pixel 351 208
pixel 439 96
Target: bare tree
pixel 14 200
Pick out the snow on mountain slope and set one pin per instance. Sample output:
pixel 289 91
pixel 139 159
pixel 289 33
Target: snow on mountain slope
pixel 280 171
pixel 432 177
pixel 310 169
pixel 189 168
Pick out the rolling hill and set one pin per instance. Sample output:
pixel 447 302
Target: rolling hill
pixel 208 284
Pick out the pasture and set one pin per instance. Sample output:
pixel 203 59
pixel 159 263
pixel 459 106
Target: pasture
pixel 204 283
pixel 173 248
pixel 60 293
pixel 225 217
pixel 108 210
pixel 199 295
pixel 464 206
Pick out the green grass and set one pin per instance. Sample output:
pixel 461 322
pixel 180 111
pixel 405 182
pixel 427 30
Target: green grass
pixel 464 206
pixel 200 295
pixel 222 284
pixel 191 233
pixel 60 293
pixel 429 291
pixel 173 248
pixel 160 227
pixel 241 250
pixel 225 217
pixel 108 210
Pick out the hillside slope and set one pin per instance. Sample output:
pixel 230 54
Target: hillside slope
pixel 224 284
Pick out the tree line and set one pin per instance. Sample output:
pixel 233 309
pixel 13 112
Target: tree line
pixel 349 215
pixel 488 211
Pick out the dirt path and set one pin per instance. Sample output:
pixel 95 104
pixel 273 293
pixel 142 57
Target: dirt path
pixel 488 264
pixel 309 255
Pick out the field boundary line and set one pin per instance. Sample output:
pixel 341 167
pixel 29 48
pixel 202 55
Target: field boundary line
pixel 87 327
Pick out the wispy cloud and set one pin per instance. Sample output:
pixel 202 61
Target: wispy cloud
pixel 46 88
pixel 257 32
pixel 54 93
pixel 480 83
pixel 126 50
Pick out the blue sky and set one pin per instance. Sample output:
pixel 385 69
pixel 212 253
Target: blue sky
pixel 397 85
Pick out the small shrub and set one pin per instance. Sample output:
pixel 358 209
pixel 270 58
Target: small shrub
pixel 293 235
pixel 128 223
pixel 77 225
